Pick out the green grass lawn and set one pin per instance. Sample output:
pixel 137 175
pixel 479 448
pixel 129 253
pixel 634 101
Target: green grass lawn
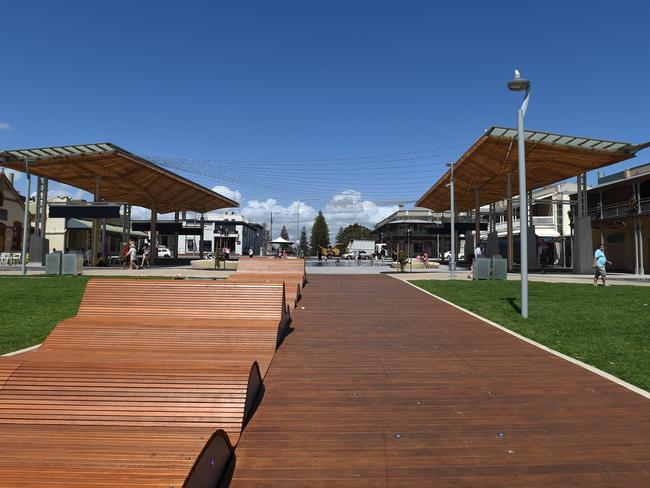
pixel 31 306
pixel 608 328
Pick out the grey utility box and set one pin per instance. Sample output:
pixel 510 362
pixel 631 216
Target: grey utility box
pixel 73 264
pixel 482 268
pixel 53 263
pixel 499 268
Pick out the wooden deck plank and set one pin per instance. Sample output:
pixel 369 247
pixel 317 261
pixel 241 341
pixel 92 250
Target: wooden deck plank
pixel 381 385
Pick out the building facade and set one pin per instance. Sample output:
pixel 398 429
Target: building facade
pixel 12 210
pixel 619 209
pixel 420 230
pixel 223 230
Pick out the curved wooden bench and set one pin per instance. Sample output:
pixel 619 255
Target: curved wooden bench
pixel 131 390
pixel 290 272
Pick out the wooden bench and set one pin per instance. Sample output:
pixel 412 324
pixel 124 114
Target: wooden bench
pixel 131 391
pixel 290 272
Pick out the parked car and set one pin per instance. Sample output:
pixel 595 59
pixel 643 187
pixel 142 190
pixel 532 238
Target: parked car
pixel 460 256
pixel 164 252
pixel 353 255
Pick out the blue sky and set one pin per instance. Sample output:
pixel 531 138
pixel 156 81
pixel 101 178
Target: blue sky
pixel 255 92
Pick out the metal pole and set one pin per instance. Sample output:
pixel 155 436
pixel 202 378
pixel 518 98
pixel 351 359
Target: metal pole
pixel 452 257
pixel 23 256
pixel 409 251
pixel 523 207
pixel 298 230
pixel 44 218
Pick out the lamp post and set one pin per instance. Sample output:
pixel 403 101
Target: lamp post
pixel 452 256
pixel 520 84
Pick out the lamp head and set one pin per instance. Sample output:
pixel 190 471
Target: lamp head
pixel 518 83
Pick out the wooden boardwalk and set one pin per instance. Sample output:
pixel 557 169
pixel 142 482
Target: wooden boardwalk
pixel 381 385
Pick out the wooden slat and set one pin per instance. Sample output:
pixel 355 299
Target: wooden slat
pixel 290 272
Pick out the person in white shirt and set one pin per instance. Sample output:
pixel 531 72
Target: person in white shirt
pixel 133 259
pixel 477 254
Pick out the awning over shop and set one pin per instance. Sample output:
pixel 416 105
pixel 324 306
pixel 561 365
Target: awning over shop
pixel 88 225
pixel 122 176
pixel 550 158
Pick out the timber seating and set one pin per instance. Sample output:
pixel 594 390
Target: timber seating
pixel 291 272
pixel 131 391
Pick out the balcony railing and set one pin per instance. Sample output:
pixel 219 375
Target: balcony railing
pixel 623 209
pixel 538 221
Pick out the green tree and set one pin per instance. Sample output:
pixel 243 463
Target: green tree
pixel 284 233
pixel 320 233
pixel 303 246
pixel 350 233
pixel 340 237
pixel 266 237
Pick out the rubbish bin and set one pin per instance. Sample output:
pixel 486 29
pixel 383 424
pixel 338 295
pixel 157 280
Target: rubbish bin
pixel 73 264
pixel 482 268
pixel 53 263
pixel 499 268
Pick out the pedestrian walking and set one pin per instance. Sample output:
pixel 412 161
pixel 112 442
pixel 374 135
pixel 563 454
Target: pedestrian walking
pixel 600 261
pixel 477 254
pixel 124 256
pixel 145 256
pixel 133 256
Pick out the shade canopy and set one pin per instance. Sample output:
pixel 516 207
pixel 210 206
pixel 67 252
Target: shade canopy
pixel 123 177
pixel 549 158
pixel 281 240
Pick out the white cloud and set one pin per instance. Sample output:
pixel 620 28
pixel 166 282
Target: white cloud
pixel 228 193
pixel 349 207
pixel 260 211
pixel 140 213
pixel 5 126
pixel 342 210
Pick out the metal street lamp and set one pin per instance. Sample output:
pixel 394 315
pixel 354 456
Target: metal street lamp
pixel 520 84
pixel 452 257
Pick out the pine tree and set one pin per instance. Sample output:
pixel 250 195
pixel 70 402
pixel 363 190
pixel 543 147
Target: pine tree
pixel 303 246
pixel 320 234
pixel 266 237
pixel 340 237
pixel 284 233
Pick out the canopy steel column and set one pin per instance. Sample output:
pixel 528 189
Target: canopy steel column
pixel 37 210
pixel 127 216
pixel 96 228
pixel 201 238
pixel 44 217
pixel 477 217
pixel 23 254
pixel 176 219
pixel 638 232
pixel 153 245
pixel 511 241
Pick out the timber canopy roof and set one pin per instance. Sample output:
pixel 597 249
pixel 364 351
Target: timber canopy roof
pixel 125 177
pixel 549 158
